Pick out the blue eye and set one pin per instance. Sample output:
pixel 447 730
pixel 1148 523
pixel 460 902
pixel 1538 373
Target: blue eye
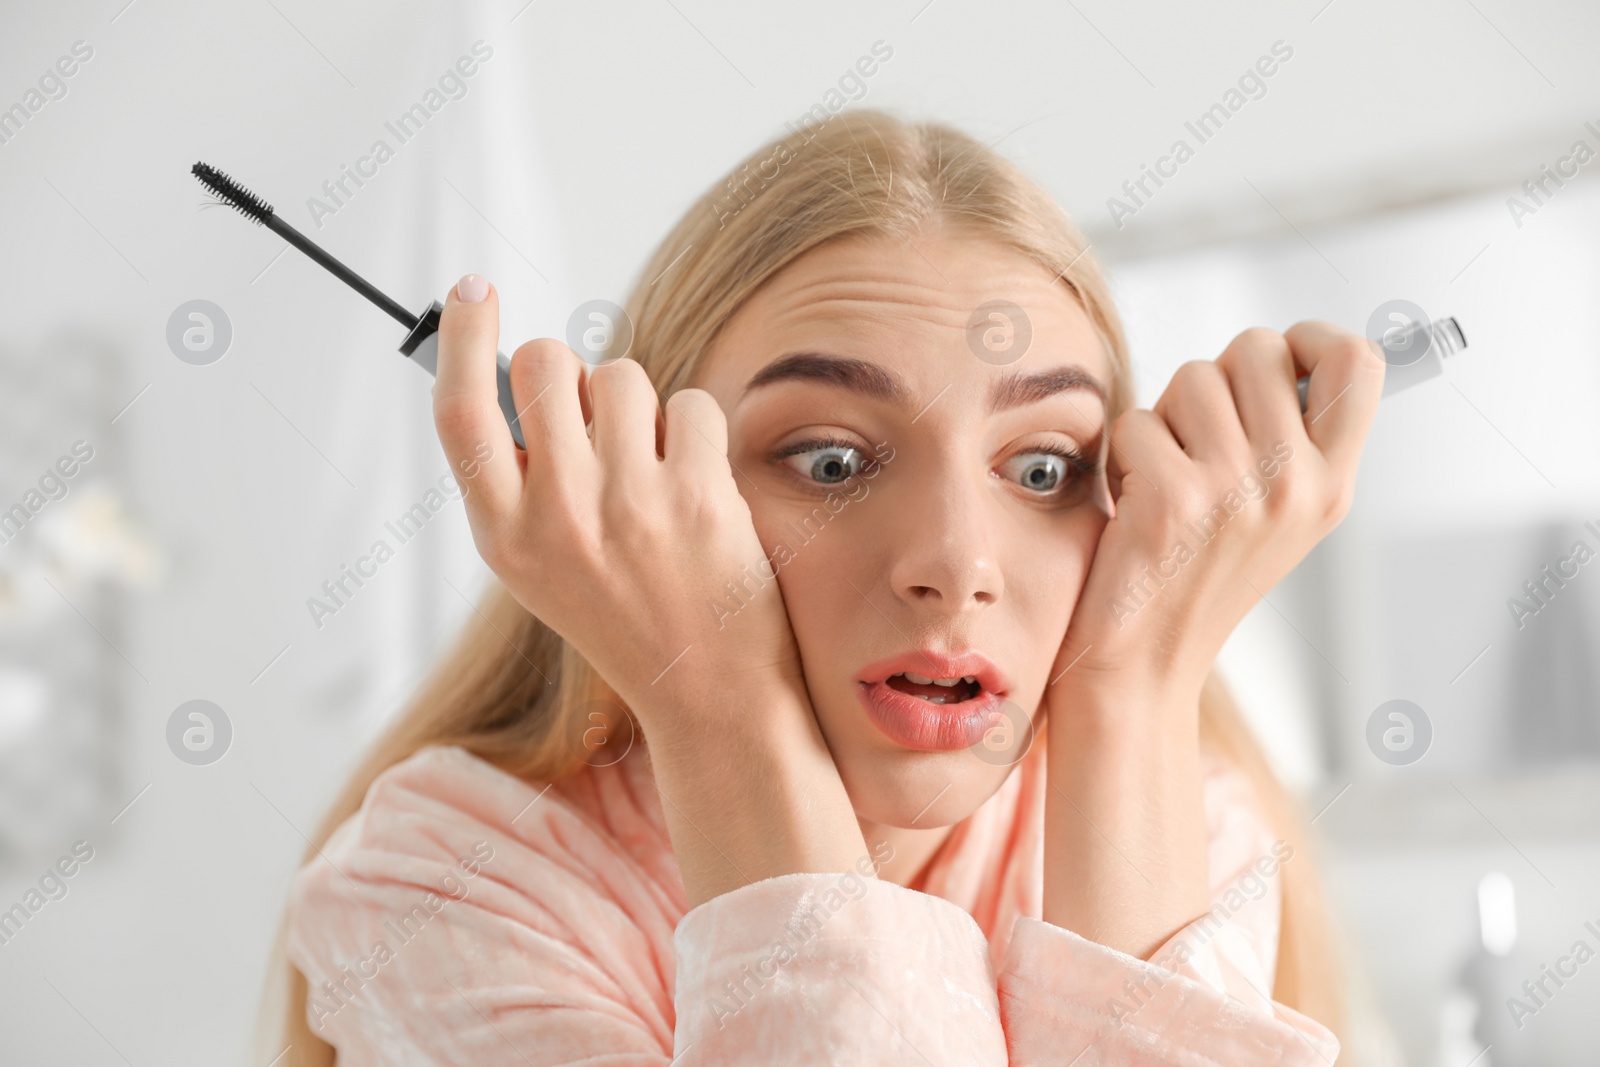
pixel 1044 470
pixel 825 462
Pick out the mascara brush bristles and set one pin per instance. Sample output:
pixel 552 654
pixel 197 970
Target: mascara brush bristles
pixel 231 193
pixel 260 212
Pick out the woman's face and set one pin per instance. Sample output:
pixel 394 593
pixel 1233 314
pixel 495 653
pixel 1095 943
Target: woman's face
pixel 909 494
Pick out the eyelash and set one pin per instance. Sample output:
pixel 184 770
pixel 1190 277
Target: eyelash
pixel 1078 463
pixel 1077 460
pixel 816 444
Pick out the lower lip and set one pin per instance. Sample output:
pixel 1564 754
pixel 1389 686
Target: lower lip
pixel 920 724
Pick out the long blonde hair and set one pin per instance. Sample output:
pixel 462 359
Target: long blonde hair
pixel 509 687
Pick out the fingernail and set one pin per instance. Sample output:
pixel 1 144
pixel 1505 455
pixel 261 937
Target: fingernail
pixel 472 288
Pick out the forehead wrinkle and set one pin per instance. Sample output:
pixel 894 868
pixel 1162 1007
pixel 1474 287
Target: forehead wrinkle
pixel 891 303
pixel 873 296
pixel 874 302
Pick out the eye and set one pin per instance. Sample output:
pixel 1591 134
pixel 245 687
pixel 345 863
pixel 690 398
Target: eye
pixel 1045 469
pixel 828 461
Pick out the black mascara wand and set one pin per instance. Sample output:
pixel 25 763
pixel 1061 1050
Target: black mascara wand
pixel 253 207
pixel 422 340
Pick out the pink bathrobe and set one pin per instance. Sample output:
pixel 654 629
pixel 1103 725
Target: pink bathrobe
pixel 464 916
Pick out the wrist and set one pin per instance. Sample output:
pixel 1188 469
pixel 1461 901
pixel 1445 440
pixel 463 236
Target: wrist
pixel 1126 707
pixel 701 717
pixel 775 729
pixel 1126 839
pixel 753 794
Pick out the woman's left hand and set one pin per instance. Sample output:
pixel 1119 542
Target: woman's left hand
pixel 1219 491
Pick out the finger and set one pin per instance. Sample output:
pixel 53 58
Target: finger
pixel 466 406
pixel 1198 407
pixel 626 414
pixel 1260 370
pixel 547 387
pixel 1346 385
pixel 696 429
pixel 1142 447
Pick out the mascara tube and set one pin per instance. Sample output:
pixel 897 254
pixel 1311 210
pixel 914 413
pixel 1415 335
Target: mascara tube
pixel 1414 354
pixel 422 331
pixel 421 346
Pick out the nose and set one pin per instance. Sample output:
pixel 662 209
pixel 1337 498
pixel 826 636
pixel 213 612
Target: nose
pixel 945 561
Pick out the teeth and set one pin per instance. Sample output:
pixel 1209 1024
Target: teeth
pixel 922 679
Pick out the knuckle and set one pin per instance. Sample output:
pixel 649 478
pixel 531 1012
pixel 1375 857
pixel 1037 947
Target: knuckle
pixel 540 360
pixel 567 551
pixel 590 555
pixel 1190 500
pixel 1257 340
pixel 1339 502
pixel 1124 426
pixel 1200 378
pixel 624 512
pixel 698 505
pixel 702 417
pixel 1367 360
pixel 1352 350
pixel 1291 498
pixel 621 376
pixel 495 548
pixel 543 352
pixel 456 415
pixel 489 551
pixel 1255 347
pixel 696 405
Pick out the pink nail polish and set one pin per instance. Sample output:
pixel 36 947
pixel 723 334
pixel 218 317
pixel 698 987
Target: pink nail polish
pixel 472 288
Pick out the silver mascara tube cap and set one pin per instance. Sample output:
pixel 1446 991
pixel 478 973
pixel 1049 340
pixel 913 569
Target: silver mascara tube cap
pixel 422 347
pixel 1413 354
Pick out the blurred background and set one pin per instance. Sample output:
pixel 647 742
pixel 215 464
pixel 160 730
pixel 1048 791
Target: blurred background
pixel 199 427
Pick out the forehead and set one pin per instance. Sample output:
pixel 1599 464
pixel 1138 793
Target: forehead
pixel 905 304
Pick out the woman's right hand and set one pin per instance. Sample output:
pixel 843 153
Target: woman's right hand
pixel 626 548
pixel 624 544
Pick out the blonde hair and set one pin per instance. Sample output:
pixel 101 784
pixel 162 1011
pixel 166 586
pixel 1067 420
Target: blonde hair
pixel 509 687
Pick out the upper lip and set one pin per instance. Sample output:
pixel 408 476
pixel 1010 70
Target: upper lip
pixel 934 663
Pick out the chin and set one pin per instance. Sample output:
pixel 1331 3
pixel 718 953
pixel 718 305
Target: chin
pixel 916 790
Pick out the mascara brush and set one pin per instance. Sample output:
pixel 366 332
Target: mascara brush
pixel 421 344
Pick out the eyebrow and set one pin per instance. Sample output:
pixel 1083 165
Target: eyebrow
pixel 857 375
pixel 877 383
pixel 1015 390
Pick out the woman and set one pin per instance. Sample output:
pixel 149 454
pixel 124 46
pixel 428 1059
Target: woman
pixel 851 701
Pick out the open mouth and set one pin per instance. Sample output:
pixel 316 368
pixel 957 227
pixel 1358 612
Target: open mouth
pixel 935 690
pixel 949 709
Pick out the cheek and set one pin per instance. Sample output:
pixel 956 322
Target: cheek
pixel 816 560
pixel 812 558
pixel 1046 578
pixel 1052 563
